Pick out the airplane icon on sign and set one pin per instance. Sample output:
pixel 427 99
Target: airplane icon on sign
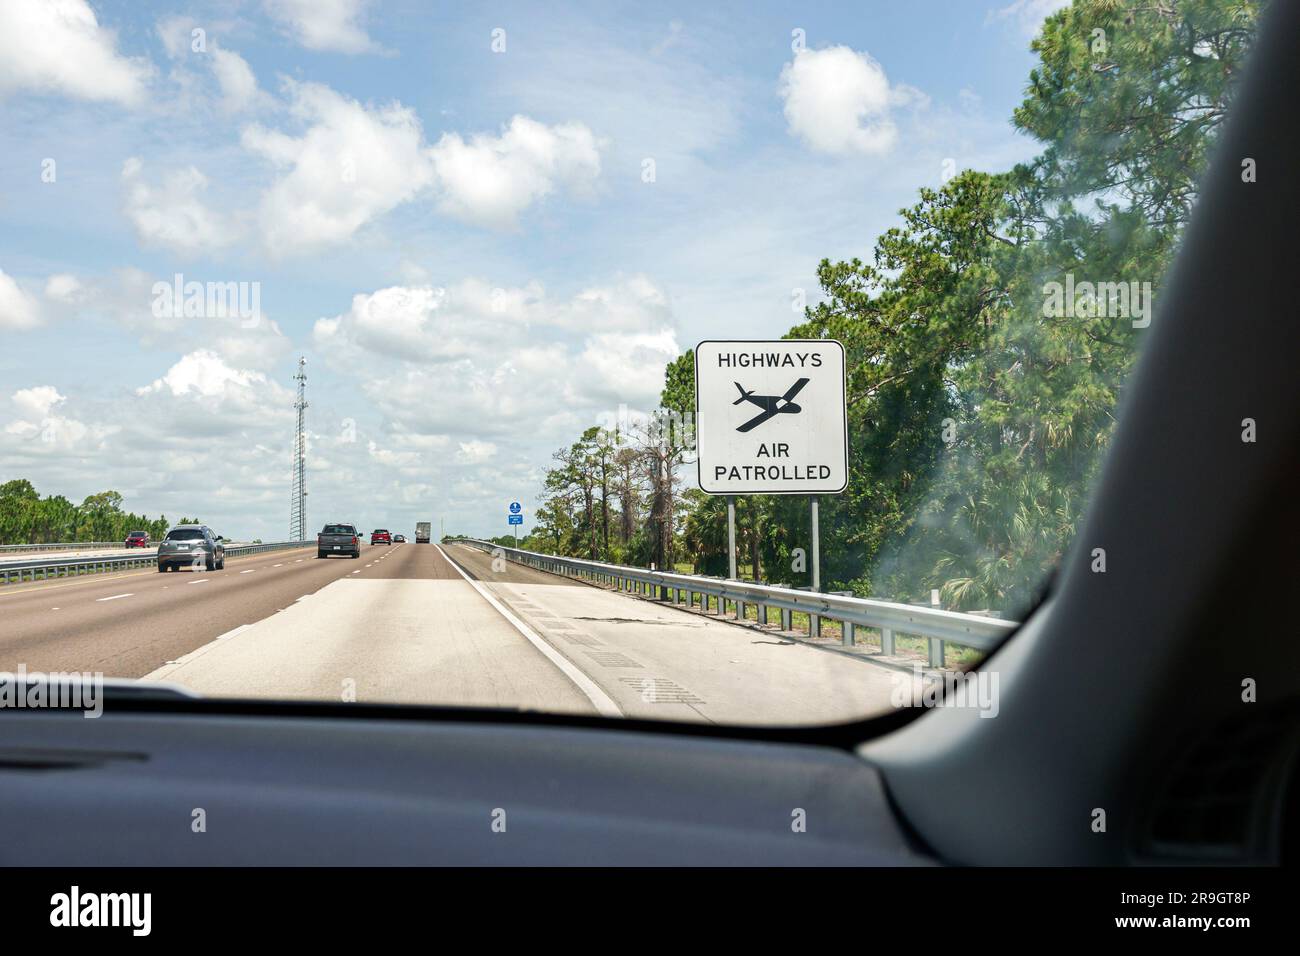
pixel 770 404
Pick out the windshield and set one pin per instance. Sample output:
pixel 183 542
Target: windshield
pixel 750 367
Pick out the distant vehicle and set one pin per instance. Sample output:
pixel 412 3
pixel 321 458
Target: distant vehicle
pixel 192 546
pixel 422 532
pixel 137 539
pixel 399 539
pixel 338 539
pixel 380 536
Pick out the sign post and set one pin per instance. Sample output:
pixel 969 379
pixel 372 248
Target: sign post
pixel 516 519
pixel 771 420
pixel 814 620
pixel 731 537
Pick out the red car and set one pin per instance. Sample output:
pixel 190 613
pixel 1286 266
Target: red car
pixel 137 539
pixel 380 536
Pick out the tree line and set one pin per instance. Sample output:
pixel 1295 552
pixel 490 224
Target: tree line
pixel 981 396
pixel 28 518
pixel 989 337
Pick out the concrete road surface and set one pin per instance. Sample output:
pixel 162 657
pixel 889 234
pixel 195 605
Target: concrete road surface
pixel 405 624
pixel 26 557
pixel 659 661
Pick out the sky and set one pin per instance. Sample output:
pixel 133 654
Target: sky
pixel 485 227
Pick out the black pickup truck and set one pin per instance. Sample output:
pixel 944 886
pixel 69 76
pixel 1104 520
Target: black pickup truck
pixel 338 539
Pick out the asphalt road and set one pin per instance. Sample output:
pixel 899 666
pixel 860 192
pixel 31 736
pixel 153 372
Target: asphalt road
pixel 128 623
pixel 26 557
pixel 404 624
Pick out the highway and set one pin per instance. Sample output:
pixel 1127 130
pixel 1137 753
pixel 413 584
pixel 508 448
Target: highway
pixel 19 557
pixel 423 624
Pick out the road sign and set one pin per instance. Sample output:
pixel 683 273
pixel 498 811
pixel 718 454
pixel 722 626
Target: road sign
pixel 515 508
pixel 516 519
pixel 770 417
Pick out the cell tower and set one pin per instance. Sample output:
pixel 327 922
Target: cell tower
pixel 298 498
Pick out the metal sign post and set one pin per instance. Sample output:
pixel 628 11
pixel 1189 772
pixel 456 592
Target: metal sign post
pixel 816 545
pixel 815 622
pixel 731 536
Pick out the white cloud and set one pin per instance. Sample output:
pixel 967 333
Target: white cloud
pixel 239 90
pixel 238 328
pixel 41 430
pixel 475 452
pixel 203 373
pixel 36 402
pixel 628 367
pixel 58 46
pixel 235 80
pixel 838 100
pixel 1028 15
pixel 328 25
pixel 174 215
pixel 18 310
pixel 176 34
pixel 64 288
pixel 404 460
pixel 351 165
pixel 634 303
pixel 506 364
pixel 490 180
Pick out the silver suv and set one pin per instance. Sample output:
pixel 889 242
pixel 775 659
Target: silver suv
pixel 194 546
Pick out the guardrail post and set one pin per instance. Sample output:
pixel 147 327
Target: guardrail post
pixel 887 641
pixel 936 652
pixel 846 627
pixel 814 620
pixel 936 645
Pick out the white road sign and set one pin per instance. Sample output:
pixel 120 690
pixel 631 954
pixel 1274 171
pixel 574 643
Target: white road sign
pixel 770 417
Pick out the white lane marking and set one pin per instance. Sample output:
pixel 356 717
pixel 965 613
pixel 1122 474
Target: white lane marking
pixel 299 561
pixel 602 701
pixel 113 598
pixel 277 565
pixel 242 627
pixel 201 581
pixel 356 572
pixel 54 609
pixel 249 571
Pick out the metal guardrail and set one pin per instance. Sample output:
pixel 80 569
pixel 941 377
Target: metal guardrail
pixel 65 546
pixel 37 570
pixel 938 626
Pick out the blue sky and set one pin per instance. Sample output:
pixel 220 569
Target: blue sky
pixel 463 241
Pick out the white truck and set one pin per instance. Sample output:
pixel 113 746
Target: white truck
pixel 422 532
